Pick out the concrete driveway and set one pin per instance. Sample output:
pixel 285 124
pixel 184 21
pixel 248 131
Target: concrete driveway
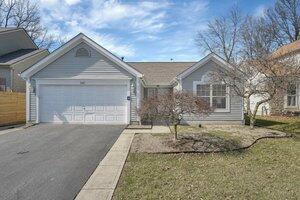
pixel 52 161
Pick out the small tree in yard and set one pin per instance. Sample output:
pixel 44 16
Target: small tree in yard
pixel 172 107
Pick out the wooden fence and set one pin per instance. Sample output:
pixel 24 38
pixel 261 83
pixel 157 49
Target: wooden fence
pixel 12 108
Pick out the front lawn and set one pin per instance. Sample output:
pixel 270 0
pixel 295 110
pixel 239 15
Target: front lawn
pixel 285 124
pixel 268 170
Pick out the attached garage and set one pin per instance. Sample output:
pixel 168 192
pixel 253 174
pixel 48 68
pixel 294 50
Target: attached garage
pixel 82 83
pixel 88 104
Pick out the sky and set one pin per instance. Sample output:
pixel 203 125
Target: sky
pixel 158 30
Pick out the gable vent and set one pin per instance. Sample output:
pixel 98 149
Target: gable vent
pixel 82 52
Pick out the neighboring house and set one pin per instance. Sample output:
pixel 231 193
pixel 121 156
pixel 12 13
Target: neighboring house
pixel 17 53
pixel 81 82
pixel 287 101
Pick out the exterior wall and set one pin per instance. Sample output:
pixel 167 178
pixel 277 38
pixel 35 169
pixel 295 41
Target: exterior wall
pixel 235 113
pixel 95 67
pixel 148 91
pixel 5 72
pixel 279 103
pixel 19 84
pixel 263 109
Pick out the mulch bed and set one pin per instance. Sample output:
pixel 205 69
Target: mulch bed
pixel 196 143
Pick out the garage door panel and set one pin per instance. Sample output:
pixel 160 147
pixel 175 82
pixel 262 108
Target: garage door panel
pixel 83 104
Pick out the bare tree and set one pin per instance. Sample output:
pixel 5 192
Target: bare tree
pixel 284 18
pixel 172 107
pixel 258 73
pixel 25 14
pixel 222 35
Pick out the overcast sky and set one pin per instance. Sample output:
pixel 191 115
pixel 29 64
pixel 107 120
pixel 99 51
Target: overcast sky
pixel 141 30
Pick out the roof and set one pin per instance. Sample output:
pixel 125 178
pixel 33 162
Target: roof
pixel 71 44
pixel 286 49
pixel 16 56
pixel 3 29
pixel 160 73
pixel 210 57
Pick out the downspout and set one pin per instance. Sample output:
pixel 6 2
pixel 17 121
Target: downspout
pixel 12 79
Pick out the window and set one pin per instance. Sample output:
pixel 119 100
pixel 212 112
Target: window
pixel 215 94
pixel 204 92
pixel 83 52
pixel 2 84
pixel 292 95
pixel 219 96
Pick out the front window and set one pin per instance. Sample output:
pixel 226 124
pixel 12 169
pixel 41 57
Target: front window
pixel 2 84
pixel 292 95
pixel 214 94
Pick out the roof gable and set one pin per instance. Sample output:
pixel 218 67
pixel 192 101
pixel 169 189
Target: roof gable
pixel 210 57
pixel 70 45
pixel 14 39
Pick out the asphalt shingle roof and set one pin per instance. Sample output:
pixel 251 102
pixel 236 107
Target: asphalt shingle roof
pixel 160 73
pixel 286 49
pixel 16 56
pixel 3 29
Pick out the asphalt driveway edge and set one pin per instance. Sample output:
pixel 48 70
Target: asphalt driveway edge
pixel 103 181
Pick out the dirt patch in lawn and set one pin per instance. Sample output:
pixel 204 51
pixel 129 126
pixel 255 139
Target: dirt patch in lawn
pixel 202 140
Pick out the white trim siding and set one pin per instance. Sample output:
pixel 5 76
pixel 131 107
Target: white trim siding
pixel 27 101
pixel 297 98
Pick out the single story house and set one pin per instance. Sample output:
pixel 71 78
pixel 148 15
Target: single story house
pixel 82 82
pixel 17 53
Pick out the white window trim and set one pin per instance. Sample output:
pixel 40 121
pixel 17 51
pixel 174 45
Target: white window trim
pixel 297 95
pixel 227 109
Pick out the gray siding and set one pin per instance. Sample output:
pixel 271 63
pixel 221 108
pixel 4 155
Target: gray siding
pixel 19 84
pixel 95 67
pixel 236 103
pixel 6 73
pixel 69 66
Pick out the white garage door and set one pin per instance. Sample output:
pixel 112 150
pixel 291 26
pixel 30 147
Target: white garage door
pixel 101 104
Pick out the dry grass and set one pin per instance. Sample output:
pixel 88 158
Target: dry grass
pixel 268 170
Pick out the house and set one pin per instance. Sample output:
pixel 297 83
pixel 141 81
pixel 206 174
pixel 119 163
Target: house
pixel 82 82
pixel 287 101
pixel 17 53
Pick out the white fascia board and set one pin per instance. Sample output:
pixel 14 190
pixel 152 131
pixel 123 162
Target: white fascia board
pixel 201 63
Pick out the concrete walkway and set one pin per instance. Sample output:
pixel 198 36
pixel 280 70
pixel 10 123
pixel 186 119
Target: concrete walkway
pixel 103 181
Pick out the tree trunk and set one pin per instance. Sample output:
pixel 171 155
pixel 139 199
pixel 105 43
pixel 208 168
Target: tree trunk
pixel 175 132
pixel 252 121
pixel 248 106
